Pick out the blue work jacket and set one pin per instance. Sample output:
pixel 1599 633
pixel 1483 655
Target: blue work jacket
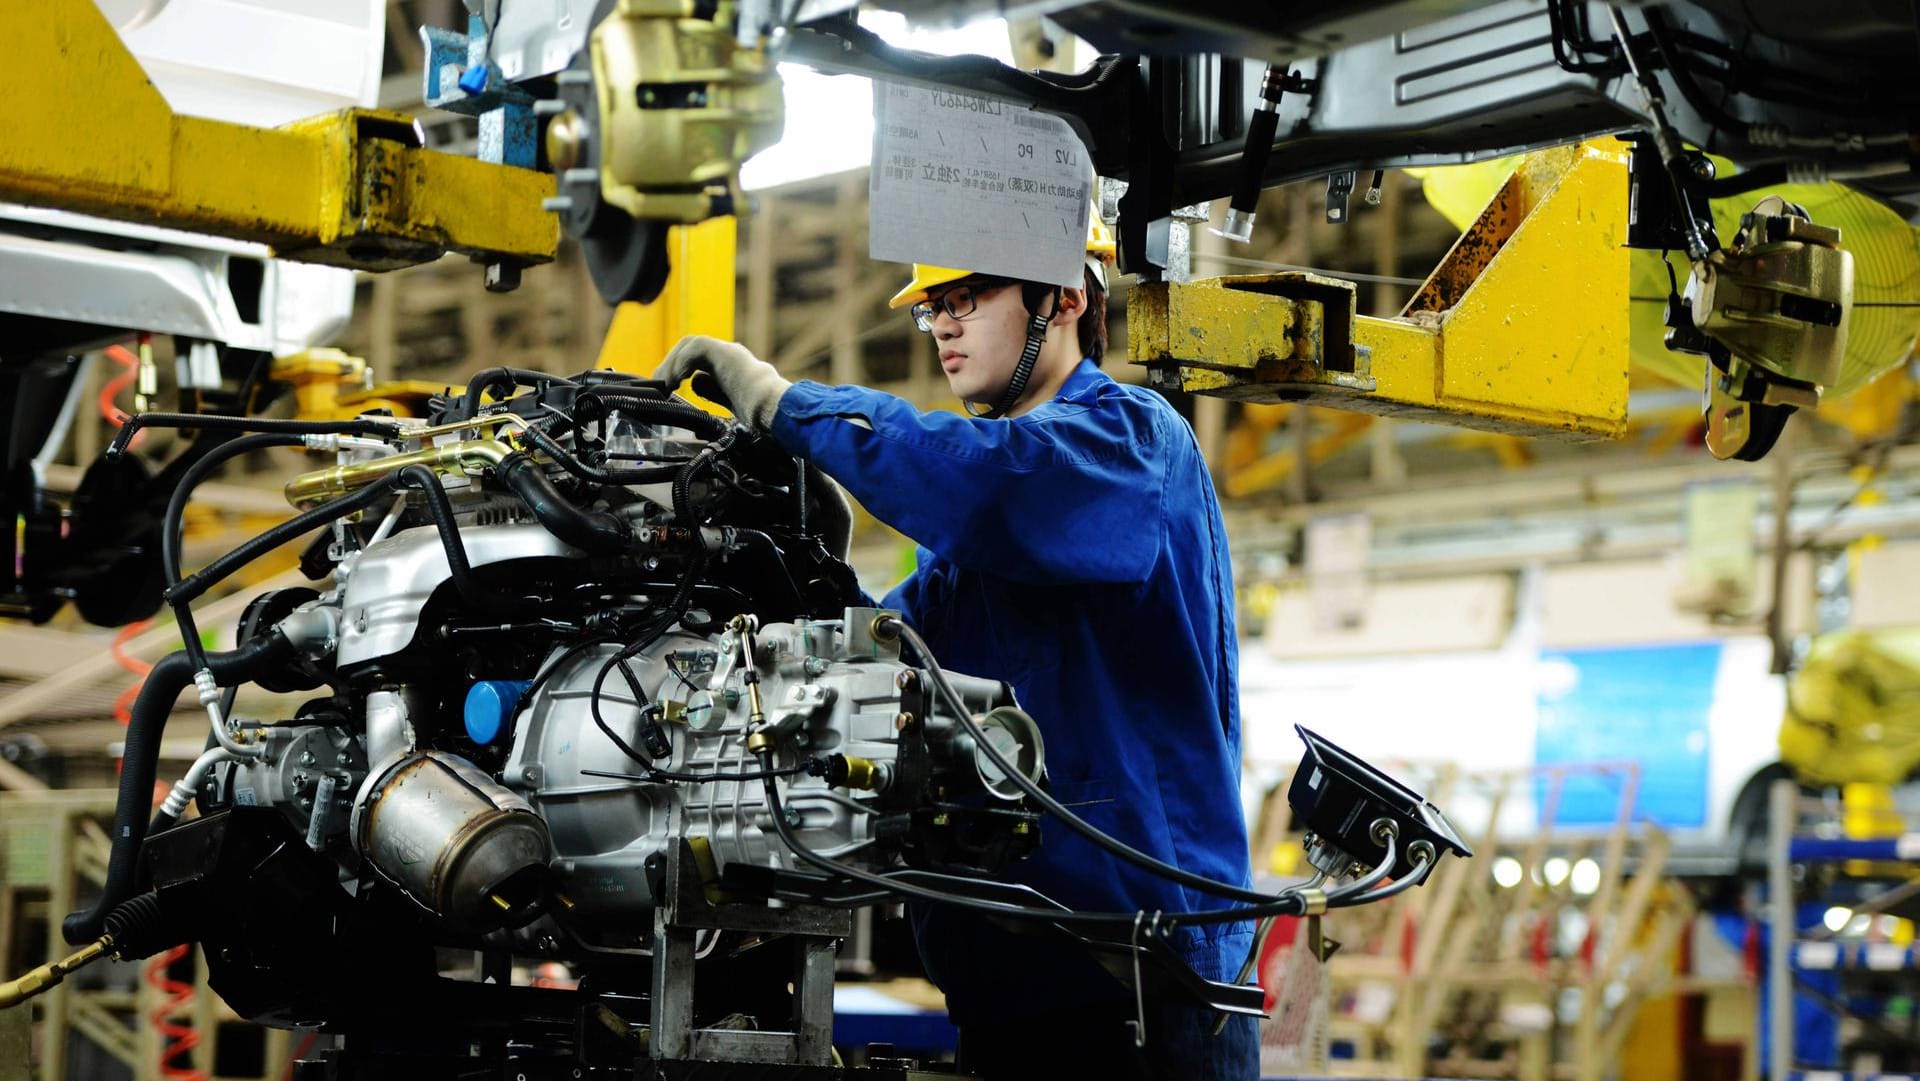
pixel 1078 553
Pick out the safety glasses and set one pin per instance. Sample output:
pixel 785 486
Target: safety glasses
pixel 959 301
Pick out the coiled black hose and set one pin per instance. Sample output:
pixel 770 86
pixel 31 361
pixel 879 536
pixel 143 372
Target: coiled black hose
pixel 641 404
pixel 172 674
pixel 593 532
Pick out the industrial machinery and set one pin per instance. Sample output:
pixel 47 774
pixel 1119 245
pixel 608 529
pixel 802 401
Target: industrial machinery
pixel 616 120
pixel 657 103
pixel 590 683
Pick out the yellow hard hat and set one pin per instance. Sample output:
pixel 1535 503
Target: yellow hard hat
pixel 926 276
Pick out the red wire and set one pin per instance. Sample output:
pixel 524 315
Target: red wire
pixel 299 1052
pixel 182 1038
pixel 130 370
pixel 123 705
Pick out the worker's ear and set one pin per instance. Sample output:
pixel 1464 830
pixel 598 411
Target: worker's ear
pixel 1072 303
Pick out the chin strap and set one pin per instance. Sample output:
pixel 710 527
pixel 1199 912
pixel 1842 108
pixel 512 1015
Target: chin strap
pixel 1022 371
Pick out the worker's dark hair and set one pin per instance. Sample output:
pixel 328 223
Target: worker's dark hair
pixel 1093 321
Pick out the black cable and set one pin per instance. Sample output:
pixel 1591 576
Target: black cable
pixel 170 526
pixel 214 422
pixel 675 609
pixel 1081 826
pixel 1285 904
pixel 572 464
pixel 206 577
pixel 1560 32
pixel 683 482
pixel 459 568
pixel 491 378
pixel 640 404
pixel 655 775
pixel 140 758
pixel 1663 42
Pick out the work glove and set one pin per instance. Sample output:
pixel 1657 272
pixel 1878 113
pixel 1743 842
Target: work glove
pixel 733 377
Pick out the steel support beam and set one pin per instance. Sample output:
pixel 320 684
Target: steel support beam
pixel 88 132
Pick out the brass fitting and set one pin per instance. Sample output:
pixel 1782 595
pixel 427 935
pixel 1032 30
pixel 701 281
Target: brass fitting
pixel 759 743
pixel 861 773
pixel 464 457
pixel 14 992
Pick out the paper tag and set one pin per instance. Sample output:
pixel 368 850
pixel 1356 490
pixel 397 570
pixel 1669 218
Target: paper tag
pixel 966 181
pixel 1818 955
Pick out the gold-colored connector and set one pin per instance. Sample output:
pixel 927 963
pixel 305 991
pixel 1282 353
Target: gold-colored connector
pixel 861 773
pixel 14 992
pixel 321 485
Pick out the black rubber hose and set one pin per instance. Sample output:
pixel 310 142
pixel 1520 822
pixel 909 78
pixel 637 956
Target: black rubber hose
pixel 1760 176
pixel 572 464
pixel 170 529
pixel 1253 160
pixel 1712 113
pixel 683 486
pixel 593 532
pixel 139 928
pixel 203 579
pixel 459 568
pixel 378 429
pixel 642 404
pixel 172 674
pixel 490 378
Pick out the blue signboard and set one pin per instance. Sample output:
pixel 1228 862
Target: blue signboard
pixel 1645 704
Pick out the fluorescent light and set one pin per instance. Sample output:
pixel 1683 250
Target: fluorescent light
pixel 830 117
pixel 1507 872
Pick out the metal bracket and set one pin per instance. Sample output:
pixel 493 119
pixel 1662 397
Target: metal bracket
pixel 682 910
pixel 353 188
pixel 1521 330
pixel 1339 191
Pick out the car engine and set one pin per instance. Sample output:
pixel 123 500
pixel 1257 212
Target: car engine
pixel 589 681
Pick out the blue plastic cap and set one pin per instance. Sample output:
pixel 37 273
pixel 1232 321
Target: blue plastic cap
pixel 474 79
pixel 490 703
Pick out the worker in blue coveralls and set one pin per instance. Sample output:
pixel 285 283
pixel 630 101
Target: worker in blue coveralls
pixel 1070 543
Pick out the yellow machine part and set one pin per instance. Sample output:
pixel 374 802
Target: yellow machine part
pixel 697 299
pixel 1853 709
pixel 1886 253
pixel 1521 330
pixel 86 131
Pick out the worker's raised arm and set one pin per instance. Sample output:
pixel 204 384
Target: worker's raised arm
pixel 1069 493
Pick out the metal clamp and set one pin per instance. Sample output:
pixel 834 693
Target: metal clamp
pixel 1313 900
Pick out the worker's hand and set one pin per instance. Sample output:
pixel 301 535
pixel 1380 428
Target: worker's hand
pixel 745 384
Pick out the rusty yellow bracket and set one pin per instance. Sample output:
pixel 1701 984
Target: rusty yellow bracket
pixel 86 131
pixel 1522 329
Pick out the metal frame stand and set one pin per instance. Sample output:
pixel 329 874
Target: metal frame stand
pixel 684 911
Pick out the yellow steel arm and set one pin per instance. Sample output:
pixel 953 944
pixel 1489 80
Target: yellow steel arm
pixel 86 131
pixel 1521 330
